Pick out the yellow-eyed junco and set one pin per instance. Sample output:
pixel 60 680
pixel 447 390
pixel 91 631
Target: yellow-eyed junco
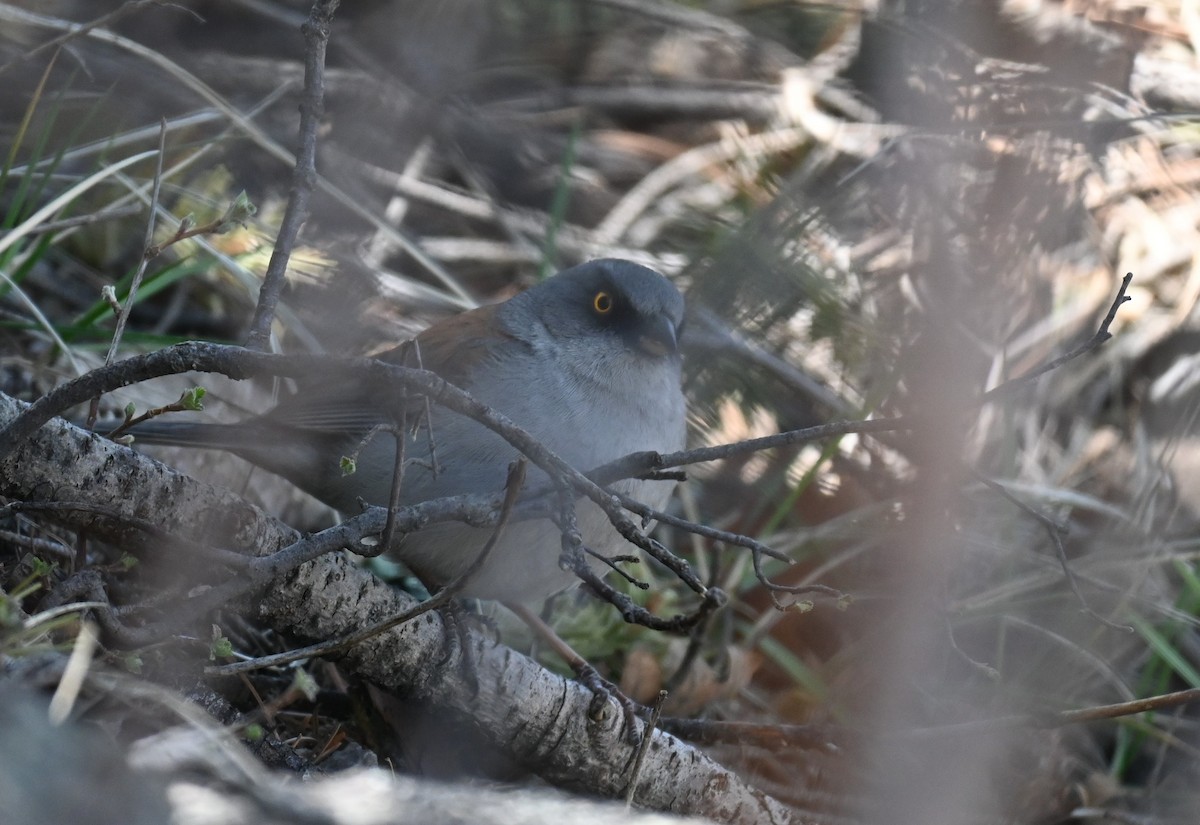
pixel 586 361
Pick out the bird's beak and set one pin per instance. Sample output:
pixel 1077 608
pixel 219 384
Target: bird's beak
pixel 657 337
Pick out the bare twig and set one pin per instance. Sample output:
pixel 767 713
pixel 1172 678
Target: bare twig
pixel 634 506
pixel 123 315
pixel 1102 334
pixel 1055 531
pixel 637 464
pixel 37 545
pixel 647 738
pixel 304 174
pixel 834 739
pixel 123 318
pixel 757 549
pixel 1058 719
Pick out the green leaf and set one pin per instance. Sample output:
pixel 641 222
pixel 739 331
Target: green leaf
pixel 220 647
pixel 240 211
pixel 41 567
pixel 193 399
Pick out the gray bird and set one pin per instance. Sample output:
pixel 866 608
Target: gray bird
pixel 587 362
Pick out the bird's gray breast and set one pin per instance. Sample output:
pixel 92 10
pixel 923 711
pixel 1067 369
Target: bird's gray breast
pixel 587 409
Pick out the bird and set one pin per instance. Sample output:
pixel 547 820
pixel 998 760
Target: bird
pixel 586 361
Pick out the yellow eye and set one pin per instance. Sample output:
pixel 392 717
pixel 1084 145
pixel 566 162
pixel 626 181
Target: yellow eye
pixel 602 303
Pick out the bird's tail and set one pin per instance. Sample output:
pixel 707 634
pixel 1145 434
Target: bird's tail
pixel 235 438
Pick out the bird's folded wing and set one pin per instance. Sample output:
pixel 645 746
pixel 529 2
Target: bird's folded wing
pixel 453 348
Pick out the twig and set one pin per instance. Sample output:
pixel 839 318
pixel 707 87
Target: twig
pixel 637 464
pixel 190 400
pixel 123 315
pixel 1055 530
pixel 983 668
pixel 1163 701
pixel 634 506
pixel 399 432
pixel 123 318
pixel 757 549
pixel 573 559
pixel 1058 719
pixel 614 563
pixel 37 545
pixel 833 739
pixel 237 213
pixel 647 738
pixel 1102 334
pixel 304 174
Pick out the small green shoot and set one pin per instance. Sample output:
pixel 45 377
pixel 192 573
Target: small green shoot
pixel 239 211
pixel 220 647
pixel 304 683
pixel 190 400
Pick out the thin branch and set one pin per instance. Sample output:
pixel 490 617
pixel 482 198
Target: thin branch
pixel 835 739
pixel 304 174
pixel 757 549
pixel 1054 530
pixel 123 315
pixel 1164 701
pixel 647 738
pixel 131 298
pixel 634 506
pixel 1058 719
pixel 637 464
pixel 1102 335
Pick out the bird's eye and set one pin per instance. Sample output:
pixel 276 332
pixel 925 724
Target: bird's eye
pixel 602 303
